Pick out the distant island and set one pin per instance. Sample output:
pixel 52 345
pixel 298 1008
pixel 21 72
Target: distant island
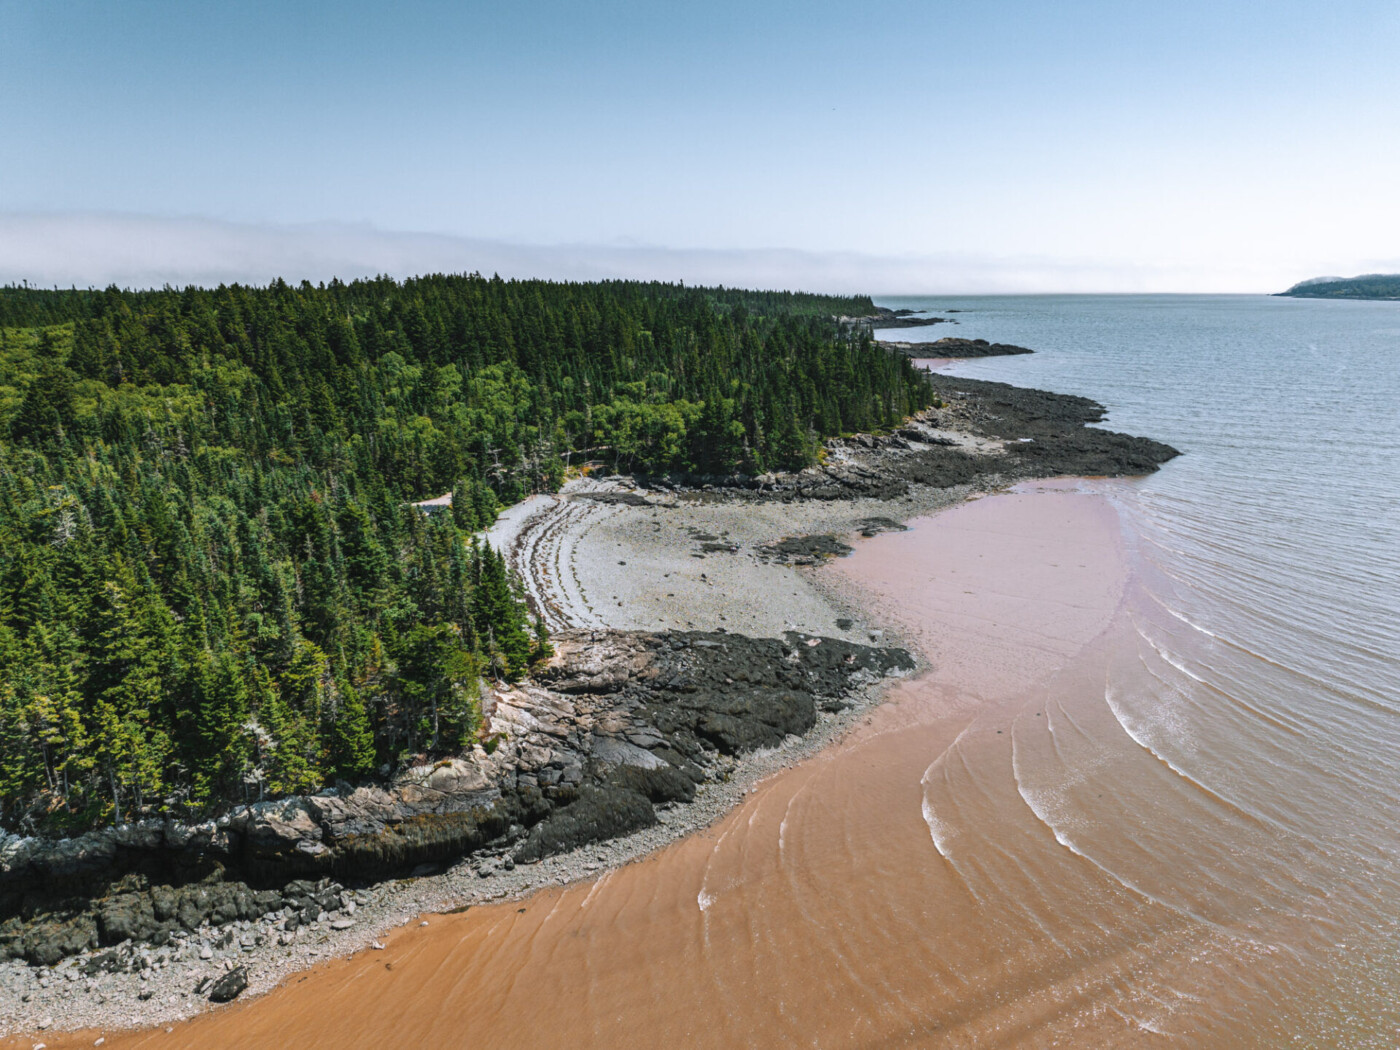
pixel 1367 286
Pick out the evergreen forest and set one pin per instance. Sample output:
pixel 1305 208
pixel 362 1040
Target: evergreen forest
pixel 213 585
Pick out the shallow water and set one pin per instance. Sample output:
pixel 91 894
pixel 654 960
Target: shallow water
pixel 1146 796
pixel 1247 730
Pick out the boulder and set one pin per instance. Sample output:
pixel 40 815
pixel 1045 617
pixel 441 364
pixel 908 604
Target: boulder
pixel 273 828
pixel 230 986
pixel 49 942
pixel 600 812
pixel 128 917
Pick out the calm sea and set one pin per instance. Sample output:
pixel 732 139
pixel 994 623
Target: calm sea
pixel 1253 753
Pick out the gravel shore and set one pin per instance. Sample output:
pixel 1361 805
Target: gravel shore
pixel 680 563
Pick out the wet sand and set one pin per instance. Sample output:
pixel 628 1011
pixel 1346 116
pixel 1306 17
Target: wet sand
pixel 937 364
pixel 835 906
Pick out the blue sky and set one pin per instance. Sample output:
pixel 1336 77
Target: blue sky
pixel 931 146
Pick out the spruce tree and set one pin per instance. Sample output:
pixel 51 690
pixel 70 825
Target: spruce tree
pixel 351 737
pixel 220 747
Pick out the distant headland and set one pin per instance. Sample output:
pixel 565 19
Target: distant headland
pixel 1366 286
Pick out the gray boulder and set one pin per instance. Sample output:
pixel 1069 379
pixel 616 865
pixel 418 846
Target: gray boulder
pixel 47 943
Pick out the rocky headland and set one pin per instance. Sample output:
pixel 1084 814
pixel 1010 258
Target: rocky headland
pixel 978 431
pixel 617 723
pixel 1381 286
pixel 697 649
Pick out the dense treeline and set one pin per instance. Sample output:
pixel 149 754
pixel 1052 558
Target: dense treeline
pixel 212 584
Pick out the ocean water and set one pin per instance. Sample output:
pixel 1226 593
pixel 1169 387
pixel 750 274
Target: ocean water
pixel 1237 771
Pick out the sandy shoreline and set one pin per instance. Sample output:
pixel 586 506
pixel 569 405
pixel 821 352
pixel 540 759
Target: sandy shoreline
pixel 805 841
pixel 566 549
pixel 599 555
pixel 645 568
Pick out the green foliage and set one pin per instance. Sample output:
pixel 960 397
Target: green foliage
pixel 218 740
pixel 212 584
pixel 494 614
pixel 352 738
pixel 436 686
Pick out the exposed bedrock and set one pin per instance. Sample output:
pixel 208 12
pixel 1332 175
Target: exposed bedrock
pixel 617 724
pixel 981 430
pixel 954 347
pixel 805 550
pixel 1047 434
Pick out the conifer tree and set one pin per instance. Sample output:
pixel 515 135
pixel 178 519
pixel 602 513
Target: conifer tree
pixel 351 737
pixel 221 747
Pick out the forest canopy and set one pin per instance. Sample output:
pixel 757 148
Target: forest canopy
pixel 213 585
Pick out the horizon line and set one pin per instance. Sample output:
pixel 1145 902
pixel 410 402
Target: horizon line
pixel 96 250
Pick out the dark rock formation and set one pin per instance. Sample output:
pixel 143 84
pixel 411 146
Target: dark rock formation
pixel 615 725
pixel 50 927
pixel 1047 433
pixel 951 347
pixel 884 318
pixel 680 709
pixel 875 526
pixel 230 986
pixel 804 550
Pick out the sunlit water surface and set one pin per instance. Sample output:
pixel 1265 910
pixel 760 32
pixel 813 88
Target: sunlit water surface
pixel 1241 769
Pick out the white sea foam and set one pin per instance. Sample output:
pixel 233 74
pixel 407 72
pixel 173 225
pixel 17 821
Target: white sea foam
pixel 1040 803
pixel 939 831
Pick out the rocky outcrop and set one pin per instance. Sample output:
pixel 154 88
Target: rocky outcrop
pixel 979 430
pixel 953 347
pixel 885 318
pixel 875 526
pixel 804 550
pixel 615 725
pixel 49 929
pixel 1047 434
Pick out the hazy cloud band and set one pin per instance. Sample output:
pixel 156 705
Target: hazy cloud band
pixel 97 249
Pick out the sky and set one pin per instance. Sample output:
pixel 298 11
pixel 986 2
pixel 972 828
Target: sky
pixel 885 147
